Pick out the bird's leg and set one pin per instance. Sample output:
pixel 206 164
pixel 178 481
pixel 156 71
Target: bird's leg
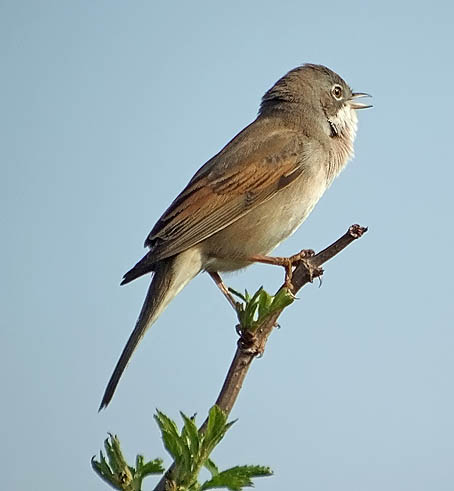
pixel 286 262
pixel 221 285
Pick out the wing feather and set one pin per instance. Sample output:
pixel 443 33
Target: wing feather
pixel 235 181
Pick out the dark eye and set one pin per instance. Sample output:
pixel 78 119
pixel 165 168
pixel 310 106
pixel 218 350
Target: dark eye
pixel 337 92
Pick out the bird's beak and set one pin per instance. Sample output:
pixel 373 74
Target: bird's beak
pixel 358 105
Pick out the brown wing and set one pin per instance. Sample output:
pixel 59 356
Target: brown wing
pixel 252 168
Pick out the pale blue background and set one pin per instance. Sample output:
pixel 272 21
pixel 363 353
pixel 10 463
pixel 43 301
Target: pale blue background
pixel 107 109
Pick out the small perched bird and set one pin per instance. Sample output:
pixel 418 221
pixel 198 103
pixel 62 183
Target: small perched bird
pixel 250 196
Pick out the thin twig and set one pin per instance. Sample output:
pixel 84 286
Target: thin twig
pixel 254 345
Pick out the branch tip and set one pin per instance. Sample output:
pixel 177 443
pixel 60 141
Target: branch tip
pixel 356 231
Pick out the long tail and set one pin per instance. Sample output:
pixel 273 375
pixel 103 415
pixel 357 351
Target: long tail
pixel 170 276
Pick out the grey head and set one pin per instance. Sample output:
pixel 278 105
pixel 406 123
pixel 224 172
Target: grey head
pixel 316 95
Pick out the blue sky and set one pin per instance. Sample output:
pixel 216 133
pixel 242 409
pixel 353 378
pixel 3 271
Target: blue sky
pixel 107 109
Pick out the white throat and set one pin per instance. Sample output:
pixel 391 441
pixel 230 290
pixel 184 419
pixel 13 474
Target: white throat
pixel 344 124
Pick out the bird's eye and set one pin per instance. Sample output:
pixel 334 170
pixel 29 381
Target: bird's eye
pixel 337 92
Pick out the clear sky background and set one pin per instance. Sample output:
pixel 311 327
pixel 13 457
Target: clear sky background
pixel 107 108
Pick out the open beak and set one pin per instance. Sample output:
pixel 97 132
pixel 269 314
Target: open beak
pixel 358 105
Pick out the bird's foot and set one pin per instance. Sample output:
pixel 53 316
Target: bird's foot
pixel 288 263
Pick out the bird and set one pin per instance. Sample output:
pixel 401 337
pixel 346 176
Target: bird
pixel 253 194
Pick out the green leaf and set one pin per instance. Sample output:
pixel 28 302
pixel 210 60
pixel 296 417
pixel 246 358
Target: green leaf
pixel 187 462
pixel 172 444
pixel 264 302
pixel 117 462
pixel 215 426
pixel 212 468
pixel 215 430
pixel 183 448
pixel 282 299
pixel 236 478
pixel 103 466
pixel 146 468
pixel 104 471
pixel 165 423
pixel 113 452
pixel 116 471
pixel 191 433
pixel 237 294
pixel 248 297
pixel 257 307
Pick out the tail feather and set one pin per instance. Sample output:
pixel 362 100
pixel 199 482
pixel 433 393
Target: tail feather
pixel 171 275
pixel 144 266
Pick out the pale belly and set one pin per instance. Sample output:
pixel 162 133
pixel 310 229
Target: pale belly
pixel 263 228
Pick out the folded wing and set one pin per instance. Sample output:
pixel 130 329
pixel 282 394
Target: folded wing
pixel 251 169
